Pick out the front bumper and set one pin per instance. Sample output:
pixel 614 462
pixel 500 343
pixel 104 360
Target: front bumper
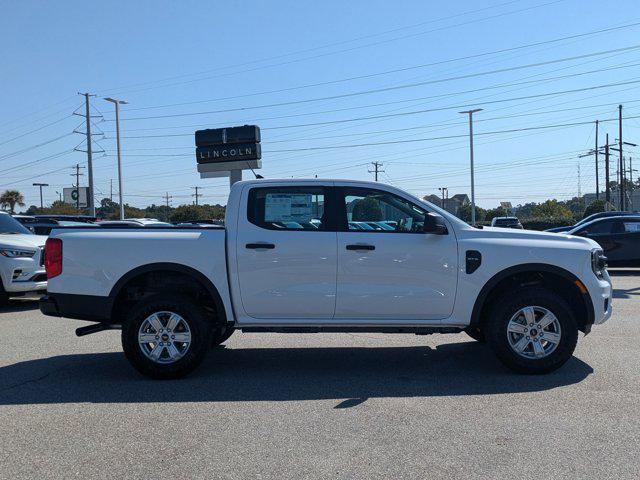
pixel 601 292
pixel 21 275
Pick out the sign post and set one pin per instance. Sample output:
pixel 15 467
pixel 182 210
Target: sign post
pixel 222 152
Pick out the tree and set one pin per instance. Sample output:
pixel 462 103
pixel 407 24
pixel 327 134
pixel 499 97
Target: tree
pixel 551 209
pixel 576 205
pixel 190 213
pixel 495 212
pixel 464 213
pixel 11 198
pixel 56 208
pixel 107 209
pixel 366 210
pixel 594 207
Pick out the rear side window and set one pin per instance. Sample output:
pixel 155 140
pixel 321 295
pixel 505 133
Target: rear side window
pixel 288 208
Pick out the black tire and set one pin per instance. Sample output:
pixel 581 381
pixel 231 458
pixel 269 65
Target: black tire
pixel 4 297
pixel 476 333
pixel 503 310
pixel 200 329
pixel 221 335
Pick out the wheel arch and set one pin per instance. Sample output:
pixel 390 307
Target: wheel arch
pixel 143 270
pixel 535 272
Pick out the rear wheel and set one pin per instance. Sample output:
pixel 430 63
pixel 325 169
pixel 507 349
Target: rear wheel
pixel 533 331
pixel 166 336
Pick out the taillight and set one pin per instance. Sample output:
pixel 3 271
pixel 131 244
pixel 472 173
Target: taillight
pixel 53 257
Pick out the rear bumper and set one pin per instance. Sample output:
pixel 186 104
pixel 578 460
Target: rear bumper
pixel 78 307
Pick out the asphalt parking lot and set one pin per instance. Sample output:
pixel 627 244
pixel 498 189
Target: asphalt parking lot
pixel 318 406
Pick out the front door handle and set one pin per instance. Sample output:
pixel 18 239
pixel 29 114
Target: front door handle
pixel 361 247
pixel 255 246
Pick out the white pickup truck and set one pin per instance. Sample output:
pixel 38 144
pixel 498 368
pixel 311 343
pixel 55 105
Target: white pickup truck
pixel 327 256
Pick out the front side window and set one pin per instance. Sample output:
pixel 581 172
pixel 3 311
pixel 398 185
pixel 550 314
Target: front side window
pixel 378 211
pixel 287 208
pixel 602 227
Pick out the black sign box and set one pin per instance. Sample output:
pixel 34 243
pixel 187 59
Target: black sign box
pixel 228 152
pixel 220 136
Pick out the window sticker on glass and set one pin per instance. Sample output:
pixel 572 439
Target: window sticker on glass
pixel 283 207
pixel 632 227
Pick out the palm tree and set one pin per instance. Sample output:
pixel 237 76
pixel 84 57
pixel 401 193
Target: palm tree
pixel 11 198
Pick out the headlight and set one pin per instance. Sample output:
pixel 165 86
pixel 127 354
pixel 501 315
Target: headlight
pixel 14 253
pixel 598 262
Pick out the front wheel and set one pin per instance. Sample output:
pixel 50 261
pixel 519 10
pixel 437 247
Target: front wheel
pixel 166 336
pixel 532 331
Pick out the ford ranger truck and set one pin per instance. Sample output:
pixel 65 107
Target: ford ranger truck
pixel 327 256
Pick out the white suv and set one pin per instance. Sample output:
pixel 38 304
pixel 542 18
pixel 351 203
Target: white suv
pixel 21 259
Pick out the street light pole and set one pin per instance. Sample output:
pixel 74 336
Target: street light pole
pixel 41 185
pixel 117 103
pixel 473 193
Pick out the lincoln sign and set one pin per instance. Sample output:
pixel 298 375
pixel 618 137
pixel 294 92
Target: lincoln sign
pixel 228 144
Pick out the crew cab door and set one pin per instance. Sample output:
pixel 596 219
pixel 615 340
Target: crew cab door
pixel 388 268
pixel 286 254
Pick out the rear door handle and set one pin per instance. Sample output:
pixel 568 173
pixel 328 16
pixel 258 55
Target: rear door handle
pixel 361 247
pixel 255 246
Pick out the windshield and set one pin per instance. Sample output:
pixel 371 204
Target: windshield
pixel 9 225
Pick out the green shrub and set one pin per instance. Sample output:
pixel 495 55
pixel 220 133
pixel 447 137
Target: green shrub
pixel 544 223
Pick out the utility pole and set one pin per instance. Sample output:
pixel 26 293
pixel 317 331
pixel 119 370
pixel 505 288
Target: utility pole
pixel 442 191
pixel 473 193
pixel 167 198
pixel 376 169
pixel 111 191
pixel 87 109
pixel 606 163
pixel 621 167
pixel 196 195
pixel 596 154
pixel 41 185
pixel 579 181
pixel 77 175
pixel 59 196
pixel 117 103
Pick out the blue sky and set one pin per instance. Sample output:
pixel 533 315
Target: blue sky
pixel 210 64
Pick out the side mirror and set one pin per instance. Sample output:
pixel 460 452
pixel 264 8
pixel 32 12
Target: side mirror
pixel 434 224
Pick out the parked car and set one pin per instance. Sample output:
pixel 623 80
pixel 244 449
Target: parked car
pixel 588 219
pixel 43 224
pixel 21 259
pixel 506 222
pixel 618 236
pixel 175 293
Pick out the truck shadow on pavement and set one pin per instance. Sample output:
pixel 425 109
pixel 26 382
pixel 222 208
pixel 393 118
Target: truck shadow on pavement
pixel 281 374
pixel 20 305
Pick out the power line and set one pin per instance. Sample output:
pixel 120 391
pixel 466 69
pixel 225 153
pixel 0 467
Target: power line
pixel 335 52
pixel 388 72
pixel 391 88
pixel 415 99
pixel 416 112
pixel 33 147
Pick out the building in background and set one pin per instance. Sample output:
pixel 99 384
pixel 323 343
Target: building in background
pixel 451 204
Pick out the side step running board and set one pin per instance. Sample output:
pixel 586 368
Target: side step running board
pixel 95 328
